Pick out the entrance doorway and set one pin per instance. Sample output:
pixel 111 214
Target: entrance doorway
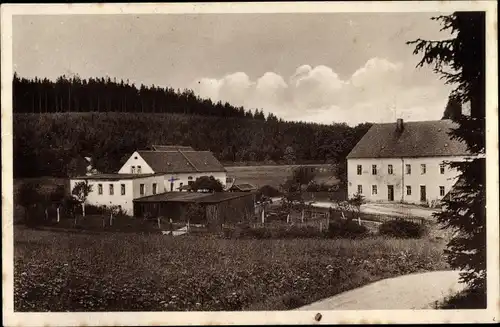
pixel 423 195
pixel 390 192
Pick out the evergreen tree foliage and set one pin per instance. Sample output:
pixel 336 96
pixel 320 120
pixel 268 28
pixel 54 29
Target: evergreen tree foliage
pixel 460 61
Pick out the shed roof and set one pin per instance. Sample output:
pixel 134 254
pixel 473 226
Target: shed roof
pixel 192 197
pixel 180 161
pixel 113 177
pixel 417 139
pixel 244 187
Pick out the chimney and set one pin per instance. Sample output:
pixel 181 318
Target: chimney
pixel 399 125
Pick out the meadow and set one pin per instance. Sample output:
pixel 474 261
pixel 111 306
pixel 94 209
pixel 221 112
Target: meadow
pixel 274 175
pixel 60 271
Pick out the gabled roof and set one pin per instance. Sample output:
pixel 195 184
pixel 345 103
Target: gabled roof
pixel 417 139
pixel 182 161
pixel 171 147
pixel 245 187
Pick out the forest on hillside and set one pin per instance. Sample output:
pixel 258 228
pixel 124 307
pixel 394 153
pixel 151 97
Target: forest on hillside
pixel 49 144
pixel 57 124
pixel 74 94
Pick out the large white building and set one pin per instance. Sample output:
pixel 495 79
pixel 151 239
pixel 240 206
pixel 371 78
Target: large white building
pixel 145 173
pixel 405 162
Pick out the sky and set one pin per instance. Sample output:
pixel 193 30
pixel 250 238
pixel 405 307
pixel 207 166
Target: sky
pixel 315 67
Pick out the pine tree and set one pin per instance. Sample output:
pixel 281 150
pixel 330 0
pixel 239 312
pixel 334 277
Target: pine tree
pixel 461 62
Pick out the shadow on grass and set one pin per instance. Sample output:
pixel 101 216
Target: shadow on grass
pixel 467 299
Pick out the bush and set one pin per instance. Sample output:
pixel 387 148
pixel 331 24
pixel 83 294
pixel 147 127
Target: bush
pixel 402 228
pixel 467 299
pixel 268 191
pixel 91 209
pixel 346 229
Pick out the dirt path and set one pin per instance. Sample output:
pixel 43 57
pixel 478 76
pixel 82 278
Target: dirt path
pixel 416 291
pixel 389 209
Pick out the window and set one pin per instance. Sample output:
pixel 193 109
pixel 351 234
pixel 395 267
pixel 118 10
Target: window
pixel 374 189
pixel 441 191
pixel 360 169
pixel 132 170
pixel 190 183
pixel 389 169
pixel 123 189
pixel 408 190
pixel 423 169
pixel 408 169
pixel 180 185
pixel 141 189
pixel 441 169
pixel 138 169
pixel 374 169
pixel 111 189
pixel 190 178
pixel 99 189
pixel 154 188
pixel 360 189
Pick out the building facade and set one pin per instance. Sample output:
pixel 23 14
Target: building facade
pixel 148 173
pixel 180 167
pixel 405 162
pixel 120 189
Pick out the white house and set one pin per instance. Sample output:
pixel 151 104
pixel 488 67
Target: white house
pixel 147 173
pixel 405 162
pixel 180 167
pixel 121 189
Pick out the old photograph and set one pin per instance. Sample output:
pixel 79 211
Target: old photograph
pixel 201 159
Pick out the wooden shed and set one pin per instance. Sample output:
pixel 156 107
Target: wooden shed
pixel 217 208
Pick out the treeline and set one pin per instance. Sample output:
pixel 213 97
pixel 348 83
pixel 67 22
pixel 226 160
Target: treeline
pixel 73 94
pixel 54 144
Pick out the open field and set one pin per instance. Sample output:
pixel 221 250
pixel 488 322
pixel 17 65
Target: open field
pixel 59 271
pixel 274 175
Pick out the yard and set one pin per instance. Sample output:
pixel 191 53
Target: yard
pixel 59 271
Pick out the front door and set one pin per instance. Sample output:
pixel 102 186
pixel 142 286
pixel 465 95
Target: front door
pixel 423 195
pixel 171 186
pixel 390 192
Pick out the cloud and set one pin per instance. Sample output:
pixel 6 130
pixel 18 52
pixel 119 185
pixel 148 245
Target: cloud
pixel 378 91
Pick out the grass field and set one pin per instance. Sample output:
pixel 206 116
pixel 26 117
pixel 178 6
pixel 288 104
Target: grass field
pixel 273 175
pixel 56 271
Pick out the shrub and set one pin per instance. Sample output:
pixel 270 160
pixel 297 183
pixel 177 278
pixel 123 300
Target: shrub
pixel 402 228
pixel 346 229
pixel 269 191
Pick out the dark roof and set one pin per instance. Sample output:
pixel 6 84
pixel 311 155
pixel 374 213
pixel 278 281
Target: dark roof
pixel 192 197
pixel 245 187
pixel 417 139
pixel 182 161
pixel 171 148
pixel 113 177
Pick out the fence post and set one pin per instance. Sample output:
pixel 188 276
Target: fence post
pixel 320 227
pixel 58 216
